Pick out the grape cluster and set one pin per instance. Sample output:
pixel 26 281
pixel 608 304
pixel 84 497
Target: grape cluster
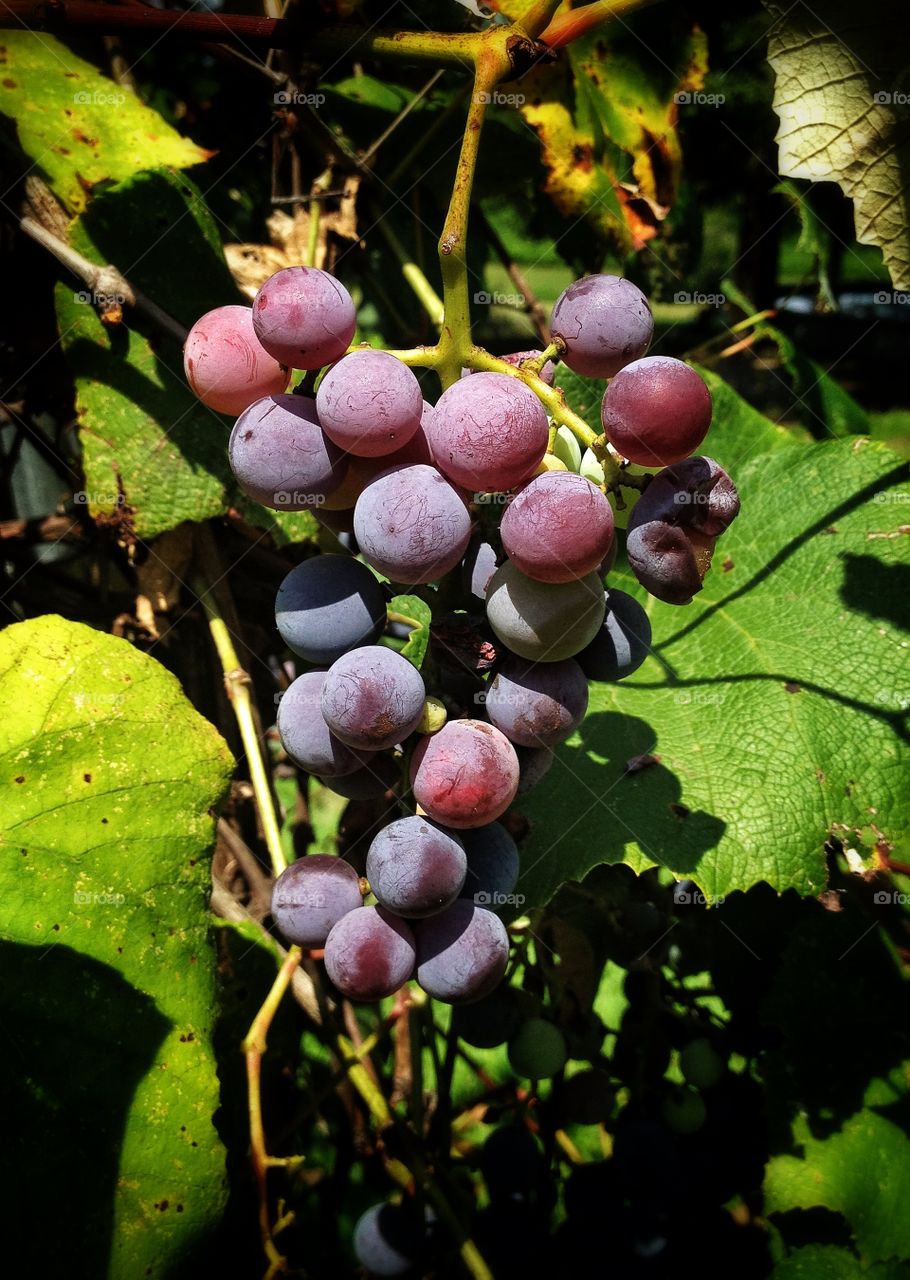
pixel 411 482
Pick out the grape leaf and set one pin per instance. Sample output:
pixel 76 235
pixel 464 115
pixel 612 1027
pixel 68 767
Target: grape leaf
pixel 153 456
pixel 828 1262
pixel 417 614
pixel 107 775
pixel 770 731
pixel 79 127
pixel 840 95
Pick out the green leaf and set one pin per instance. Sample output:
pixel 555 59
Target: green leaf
pixel 862 1172
pixel 770 730
pixel 839 93
pixel 828 1262
pixel 153 455
pixel 107 776
pixel 417 614
pixel 79 127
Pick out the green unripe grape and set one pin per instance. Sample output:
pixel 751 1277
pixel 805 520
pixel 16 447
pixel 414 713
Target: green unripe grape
pixel 433 717
pixel 701 1064
pixel 684 1110
pixel 567 448
pixel 538 1050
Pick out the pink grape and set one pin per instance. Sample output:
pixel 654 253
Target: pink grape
pixel 488 432
pixel 466 775
pixel 304 317
pixel 558 527
pixel 369 954
pixel 656 411
pixel 225 364
pixel 605 322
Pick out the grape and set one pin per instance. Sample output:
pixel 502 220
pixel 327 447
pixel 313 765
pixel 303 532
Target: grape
pixel 372 698
pixel 304 317
pixel 465 775
pixel 415 867
pixel 515 358
pixel 568 450
pixel 280 456
pixel 512 1164
pixel 538 1050
pixel 312 895
pixel 361 471
pixel 369 403
pixel 369 783
pixel 604 322
pixel 488 1022
pixel 462 953
pixel 493 866
pixel 557 528
pixel 587 1098
pixel 479 567
pixel 684 1110
pixel 225 364
pixel 369 954
pixel 656 411
pixel 701 1064
pixel 411 525
pixel 673 526
pixel 533 764
pixel 388 1239
pixel 622 643
pixel 327 605
pixel 537 705
pixel 305 735
pixel 544 622
pixel 488 432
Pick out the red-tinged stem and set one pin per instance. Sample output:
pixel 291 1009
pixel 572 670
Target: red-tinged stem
pixel 570 26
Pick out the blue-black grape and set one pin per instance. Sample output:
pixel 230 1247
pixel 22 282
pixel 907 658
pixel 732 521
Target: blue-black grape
pixel 328 605
pixel 370 953
pixel 493 866
pixel 462 952
pixel 656 411
pixel 537 704
pixel 544 621
pixel 490 1021
pixel 388 1239
pixel 604 322
pixel 558 527
pixel 280 456
pixel 415 867
pixel 369 403
pixel 587 1097
pixel 380 775
pixel 411 525
pixel 372 698
pixel 465 775
pixel 488 432
pixel 622 643
pixel 534 763
pixel 304 317
pixel 305 735
pixel 311 895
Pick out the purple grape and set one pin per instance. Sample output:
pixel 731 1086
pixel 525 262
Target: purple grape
pixel 280 456
pixel 544 621
pixel 462 953
pixel 305 735
pixel 388 1239
pixel 466 775
pixel 304 317
pixel 605 322
pixel 369 954
pixel 380 775
pixel 489 432
pixel 411 525
pixel 370 404
pixel 656 411
pixel 534 763
pixel 622 643
pixel 328 605
pixel 537 705
pixel 225 364
pixel 669 561
pixel 558 527
pixel 493 866
pixel 372 698
pixel 312 895
pixel 415 867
